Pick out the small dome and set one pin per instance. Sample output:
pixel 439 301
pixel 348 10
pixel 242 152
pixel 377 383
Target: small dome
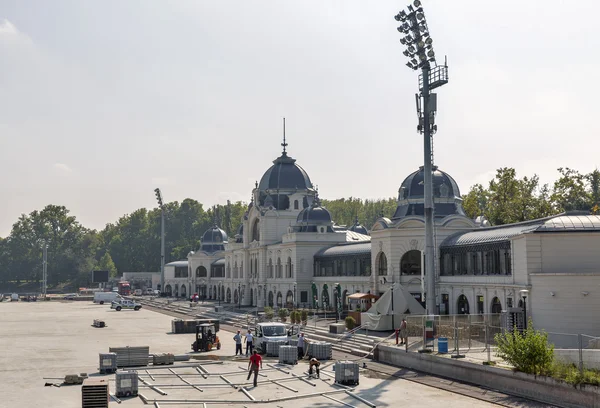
pixel 446 195
pixel 359 229
pixel 314 215
pixel 214 239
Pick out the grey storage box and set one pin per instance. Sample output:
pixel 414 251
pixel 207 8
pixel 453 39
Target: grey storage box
pixel 94 393
pixel 108 363
pixel 131 356
pixel 288 354
pixel 126 383
pixel 163 359
pixel 293 342
pixel 319 350
pixel 273 347
pixel 346 372
pixel 337 328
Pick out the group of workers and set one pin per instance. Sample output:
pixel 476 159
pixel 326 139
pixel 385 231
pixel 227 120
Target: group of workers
pixel 255 361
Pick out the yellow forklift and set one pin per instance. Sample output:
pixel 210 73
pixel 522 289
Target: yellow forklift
pixel 206 337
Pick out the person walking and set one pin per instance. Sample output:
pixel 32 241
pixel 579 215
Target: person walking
pixel 403 334
pixel 248 340
pixel 253 365
pixel 301 346
pixel 313 363
pixel 238 343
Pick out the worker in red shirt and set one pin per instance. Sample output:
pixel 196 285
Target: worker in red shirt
pixel 253 364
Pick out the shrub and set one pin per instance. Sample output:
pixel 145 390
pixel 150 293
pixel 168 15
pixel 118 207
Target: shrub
pixel 304 316
pixel 269 312
pixel 293 317
pixel 528 352
pixel 350 323
pixel 283 314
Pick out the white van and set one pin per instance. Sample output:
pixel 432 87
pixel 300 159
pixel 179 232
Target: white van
pixel 137 292
pixel 272 331
pixel 14 297
pixel 106 297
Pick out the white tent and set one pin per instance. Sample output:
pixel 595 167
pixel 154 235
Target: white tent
pixel 379 316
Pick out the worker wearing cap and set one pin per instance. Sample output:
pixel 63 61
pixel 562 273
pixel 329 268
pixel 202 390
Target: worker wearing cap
pixel 253 364
pixel 238 343
pixel 313 363
pixel 301 346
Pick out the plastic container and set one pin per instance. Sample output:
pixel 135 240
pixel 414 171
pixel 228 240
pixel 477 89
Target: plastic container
pixel 273 347
pixel 288 355
pixel 346 372
pixel 108 363
pixel 442 345
pixel 126 383
pixel 319 350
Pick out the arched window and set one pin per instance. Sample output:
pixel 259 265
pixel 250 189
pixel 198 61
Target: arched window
pixel 278 272
pixel 382 264
pixel 228 270
pixel 295 204
pixel 201 272
pixel 256 230
pixel 496 306
pixel 271 299
pixel 270 268
pixel 463 305
pixel 289 300
pixel 279 299
pixel 325 297
pixel 410 264
pixel 228 295
pixel 288 268
pixel 235 270
pixel 256 268
pixel 242 270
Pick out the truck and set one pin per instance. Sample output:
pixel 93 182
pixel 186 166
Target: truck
pixel 124 288
pixel 265 332
pixel 120 304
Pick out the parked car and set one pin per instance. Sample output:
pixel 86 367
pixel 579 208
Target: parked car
pixel 149 291
pixel 137 292
pixel 118 305
pixel 71 296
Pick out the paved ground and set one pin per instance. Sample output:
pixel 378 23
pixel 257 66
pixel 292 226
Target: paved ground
pixel 52 339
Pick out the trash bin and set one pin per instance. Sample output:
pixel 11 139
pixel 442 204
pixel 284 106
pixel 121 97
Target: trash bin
pixel 442 345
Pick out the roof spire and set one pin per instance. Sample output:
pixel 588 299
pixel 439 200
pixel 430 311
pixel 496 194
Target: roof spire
pixel 284 144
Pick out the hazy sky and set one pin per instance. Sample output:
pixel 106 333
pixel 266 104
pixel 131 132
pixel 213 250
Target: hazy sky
pixel 103 101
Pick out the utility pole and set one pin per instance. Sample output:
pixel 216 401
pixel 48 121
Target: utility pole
pixel 162 239
pixel 45 270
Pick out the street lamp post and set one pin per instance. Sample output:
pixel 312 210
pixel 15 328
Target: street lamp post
pixel 295 299
pixel 162 238
pixel 239 296
pixel 44 269
pixel 420 52
pixel 219 294
pixel 524 293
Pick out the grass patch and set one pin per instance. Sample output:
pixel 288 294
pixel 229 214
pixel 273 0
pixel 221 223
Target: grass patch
pixel 570 374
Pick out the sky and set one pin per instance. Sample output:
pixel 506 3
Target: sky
pixel 103 101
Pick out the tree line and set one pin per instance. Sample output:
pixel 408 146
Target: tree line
pixel 132 243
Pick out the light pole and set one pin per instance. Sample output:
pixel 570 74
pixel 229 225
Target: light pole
pixel 44 269
pixel 294 300
pixel 239 295
pixel 420 52
pixel 162 238
pixel 219 294
pixel 524 293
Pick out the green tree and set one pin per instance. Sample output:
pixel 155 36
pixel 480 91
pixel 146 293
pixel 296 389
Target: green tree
pixel 106 264
pixel 570 191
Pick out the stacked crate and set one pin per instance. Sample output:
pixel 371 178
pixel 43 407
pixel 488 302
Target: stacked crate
pixel 346 372
pixel 273 347
pixel 108 363
pixel 126 383
pixel 131 356
pixel 94 393
pixel 163 359
pixel 319 350
pixel 288 354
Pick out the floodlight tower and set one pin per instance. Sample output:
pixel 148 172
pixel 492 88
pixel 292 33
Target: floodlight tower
pixel 421 56
pixel 162 239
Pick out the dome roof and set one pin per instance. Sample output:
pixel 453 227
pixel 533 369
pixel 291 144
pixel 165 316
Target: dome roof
pixel 285 174
pixel 214 239
pixel 356 227
pixel 446 195
pixel 314 215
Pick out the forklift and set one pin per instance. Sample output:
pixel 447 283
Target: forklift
pixel 206 338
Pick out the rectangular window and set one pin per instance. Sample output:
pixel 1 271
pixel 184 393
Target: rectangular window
pixel 304 296
pixel 181 272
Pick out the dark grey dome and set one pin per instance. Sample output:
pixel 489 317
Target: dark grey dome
pixel 214 239
pixel 359 229
pixel 284 174
pixel 446 195
pixel 314 215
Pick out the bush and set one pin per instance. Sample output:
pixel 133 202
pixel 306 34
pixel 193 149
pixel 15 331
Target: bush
pixel 304 316
pixel 293 317
pixel 570 374
pixel 269 312
pixel 528 352
pixel 283 314
pixel 350 323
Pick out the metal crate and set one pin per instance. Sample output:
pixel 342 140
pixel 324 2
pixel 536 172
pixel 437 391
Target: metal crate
pixel 108 363
pixel 126 383
pixel 346 372
pixel 94 393
pixel 273 347
pixel 319 350
pixel 288 354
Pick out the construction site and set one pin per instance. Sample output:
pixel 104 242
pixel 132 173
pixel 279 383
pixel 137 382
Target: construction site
pixel 79 354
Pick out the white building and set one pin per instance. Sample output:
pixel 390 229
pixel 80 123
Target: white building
pixel 288 251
